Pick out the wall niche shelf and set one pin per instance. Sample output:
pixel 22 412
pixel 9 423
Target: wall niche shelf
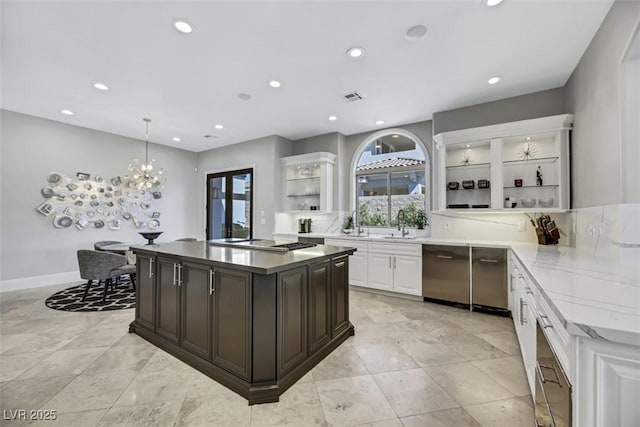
pixel 308 182
pixel 525 161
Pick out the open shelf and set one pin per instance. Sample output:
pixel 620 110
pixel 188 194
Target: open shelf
pixel 304 179
pixel 534 186
pixel 542 160
pixel 470 166
pixel 304 195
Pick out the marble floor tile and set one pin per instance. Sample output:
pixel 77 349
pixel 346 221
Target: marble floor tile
pixel 205 386
pixel 73 419
pixel 467 384
pixel 353 401
pixel 379 358
pixel 122 358
pixel 87 392
pixel 511 412
pixel 413 392
pixel 528 400
pixel 385 315
pixel 437 328
pixel 506 341
pixel 12 366
pixel 298 406
pixel 30 342
pixel 343 362
pixel 132 339
pixel 431 353
pixel 386 423
pixel 152 386
pixel 64 363
pixel 215 410
pixel 97 337
pixel 158 414
pixel 479 323
pixel 508 372
pixel 456 417
pixel 32 393
pixel 472 347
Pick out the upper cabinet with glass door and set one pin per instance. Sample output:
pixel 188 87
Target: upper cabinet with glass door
pixel 517 166
pixel 308 182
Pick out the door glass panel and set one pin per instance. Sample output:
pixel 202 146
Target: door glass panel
pixel 407 193
pixel 241 224
pixel 373 199
pixel 217 207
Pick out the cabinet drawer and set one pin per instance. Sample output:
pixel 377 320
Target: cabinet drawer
pixel 411 249
pixel 360 245
pixel 556 334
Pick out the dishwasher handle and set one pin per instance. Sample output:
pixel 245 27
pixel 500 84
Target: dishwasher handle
pixel 444 256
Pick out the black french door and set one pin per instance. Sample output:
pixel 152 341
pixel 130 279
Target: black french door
pixel 229 204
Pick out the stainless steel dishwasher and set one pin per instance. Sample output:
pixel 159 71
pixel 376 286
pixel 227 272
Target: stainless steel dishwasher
pixel 445 273
pixel 489 279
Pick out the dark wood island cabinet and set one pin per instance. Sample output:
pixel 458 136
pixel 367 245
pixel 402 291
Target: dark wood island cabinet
pixel 255 321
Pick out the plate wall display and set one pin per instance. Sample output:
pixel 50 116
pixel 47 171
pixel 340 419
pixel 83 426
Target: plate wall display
pixel 48 192
pixel 155 215
pixel 83 176
pixel 78 203
pixel 72 186
pixel 81 224
pixel 45 209
pixel 90 214
pixel 145 205
pixel 126 215
pixel 139 224
pixel 98 223
pixel 116 180
pixel 114 225
pixel 153 224
pixel 54 178
pixel 62 221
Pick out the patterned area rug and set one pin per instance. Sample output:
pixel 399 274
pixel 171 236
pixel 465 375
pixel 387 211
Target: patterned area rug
pixel 122 297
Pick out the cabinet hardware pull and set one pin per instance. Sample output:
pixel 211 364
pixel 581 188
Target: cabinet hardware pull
pixel 523 320
pixel 513 279
pixel 488 260
pixel 394 262
pixel 545 379
pixel 389 261
pixel 211 275
pixel 545 321
pixel 174 273
pixel 150 268
pixel 179 275
pixel 528 290
pixel 444 256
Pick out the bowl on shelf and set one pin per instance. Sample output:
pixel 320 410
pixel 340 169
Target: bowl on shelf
pixel 546 202
pixel 528 203
pixel 150 235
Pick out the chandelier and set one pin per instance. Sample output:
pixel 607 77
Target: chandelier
pixel 143 176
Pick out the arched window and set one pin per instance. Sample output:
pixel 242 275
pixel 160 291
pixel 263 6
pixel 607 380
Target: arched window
pixel 390 171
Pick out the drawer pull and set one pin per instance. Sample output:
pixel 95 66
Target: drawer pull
pixel 488 260
pixel 544 379
pixel 174 274
pixel 389 262
pixel 545 321
pixel 444 256
pixel 211 278
pixel 528 290
pixel 150 268
pixel 523 320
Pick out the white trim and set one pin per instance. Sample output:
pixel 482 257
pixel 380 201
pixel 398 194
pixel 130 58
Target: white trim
pixel 308 158
pixel 39 281
pixel 366 141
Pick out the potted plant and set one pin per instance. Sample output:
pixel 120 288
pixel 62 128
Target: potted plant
pixel 348 225
pixel 421 221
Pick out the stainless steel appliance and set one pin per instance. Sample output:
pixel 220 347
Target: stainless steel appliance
pixel 259 244
pixel 553 391
pixel 304 225
pixel 489 279
pixel 445 273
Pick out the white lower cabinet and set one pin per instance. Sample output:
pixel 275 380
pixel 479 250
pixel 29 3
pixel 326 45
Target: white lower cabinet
pixel 395 267
pixel 525 323
pixel 357 261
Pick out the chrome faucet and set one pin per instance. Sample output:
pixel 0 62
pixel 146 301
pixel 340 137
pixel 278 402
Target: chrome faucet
pixel 356 222
pixel 404 232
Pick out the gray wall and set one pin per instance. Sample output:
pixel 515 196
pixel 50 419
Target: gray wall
pixel 594 90
pixel 31 148
pixel 263 155
pixel 530 106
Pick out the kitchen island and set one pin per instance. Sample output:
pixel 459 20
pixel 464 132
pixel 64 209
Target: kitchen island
pixel 255 321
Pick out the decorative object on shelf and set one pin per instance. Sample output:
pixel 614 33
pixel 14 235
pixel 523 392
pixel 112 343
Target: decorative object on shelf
pixel 528 151
pixel 528 203
pixel 458 206
pixel 91 204
pixel 510 202
pixel 484 183
pixel 517 182
pixel 466 159
pixel 453 185
pixel 144 177
pixel 546 230
pixel 468 184
pixel 539 176
pixel 546 202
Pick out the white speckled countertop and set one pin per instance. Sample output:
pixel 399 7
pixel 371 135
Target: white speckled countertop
pixel 592 295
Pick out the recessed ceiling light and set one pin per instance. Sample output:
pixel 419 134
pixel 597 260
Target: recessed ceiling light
pixel 183 27
pixel 468 145
pixel 493 80
pixel 176 139
pixel 529 138
pixel 67 112
pixel 333 118
pixel 244 96
pixel 492 3
pixel 416 32
pixel 355 52
pixel 100 86
pixel 219 126
pixel 379 122
pixel 275 83
pixel 395 136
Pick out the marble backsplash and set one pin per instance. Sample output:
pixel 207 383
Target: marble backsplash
pixel 321 222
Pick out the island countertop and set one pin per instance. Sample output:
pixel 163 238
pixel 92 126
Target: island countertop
pixel 253 260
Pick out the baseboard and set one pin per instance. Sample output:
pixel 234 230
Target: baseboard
pixel 39 281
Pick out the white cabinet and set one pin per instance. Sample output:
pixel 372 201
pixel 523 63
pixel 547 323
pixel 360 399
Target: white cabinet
pixel 308 182
pixel 522 166
pixel 357 261
pixel 395 267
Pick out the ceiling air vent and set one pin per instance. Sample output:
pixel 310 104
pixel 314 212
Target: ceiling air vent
pixel 353 96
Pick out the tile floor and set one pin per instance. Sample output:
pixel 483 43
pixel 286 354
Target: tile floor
pixel 409 364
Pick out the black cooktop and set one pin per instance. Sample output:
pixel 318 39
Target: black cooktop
pixel 295 245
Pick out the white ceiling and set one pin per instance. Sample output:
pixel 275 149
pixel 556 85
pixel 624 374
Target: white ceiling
pixel 53 52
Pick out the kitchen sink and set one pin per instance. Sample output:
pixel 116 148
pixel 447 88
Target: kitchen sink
pixel 399 237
